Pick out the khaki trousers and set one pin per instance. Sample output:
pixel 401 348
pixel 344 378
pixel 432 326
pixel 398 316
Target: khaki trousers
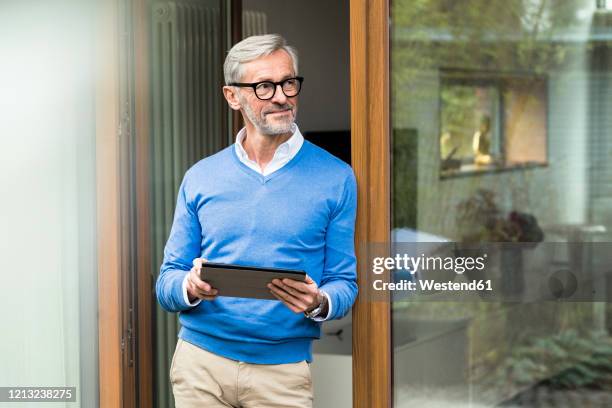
pixel 205 380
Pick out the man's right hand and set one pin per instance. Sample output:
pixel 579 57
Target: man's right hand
pixel 196 287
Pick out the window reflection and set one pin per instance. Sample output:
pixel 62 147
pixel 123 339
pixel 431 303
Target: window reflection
pixel 491 122
pixel 501 118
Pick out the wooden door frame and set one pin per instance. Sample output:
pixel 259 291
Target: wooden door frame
pixel 370 148
pixel 125 349
pixel 108 205
pixel 145 286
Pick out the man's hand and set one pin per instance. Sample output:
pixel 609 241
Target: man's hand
pixel 196 287
pixel 298 296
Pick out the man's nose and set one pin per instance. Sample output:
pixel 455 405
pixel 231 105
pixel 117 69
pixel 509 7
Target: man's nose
pixel 279 96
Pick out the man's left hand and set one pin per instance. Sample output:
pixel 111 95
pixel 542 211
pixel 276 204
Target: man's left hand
pixel 298 296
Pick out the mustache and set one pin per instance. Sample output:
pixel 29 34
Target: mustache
pixel 278 108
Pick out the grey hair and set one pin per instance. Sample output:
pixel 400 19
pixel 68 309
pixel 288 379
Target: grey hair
pixel 251 48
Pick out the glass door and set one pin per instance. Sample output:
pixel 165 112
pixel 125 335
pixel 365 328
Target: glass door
pixel 501 148
pixel 49 210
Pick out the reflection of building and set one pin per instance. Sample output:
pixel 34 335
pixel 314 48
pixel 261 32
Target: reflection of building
pixel 551 113
pixel 492 121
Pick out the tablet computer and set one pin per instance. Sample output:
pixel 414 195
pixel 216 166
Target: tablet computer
pixel 245 281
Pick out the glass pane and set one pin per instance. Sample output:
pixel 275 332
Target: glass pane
pixel 48 289
pixel 501 117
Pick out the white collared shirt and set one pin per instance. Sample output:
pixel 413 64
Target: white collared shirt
pixel 283 154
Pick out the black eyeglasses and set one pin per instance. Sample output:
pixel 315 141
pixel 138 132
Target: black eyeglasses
pixel 265 90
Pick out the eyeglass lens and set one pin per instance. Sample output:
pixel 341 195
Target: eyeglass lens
pixel 290 87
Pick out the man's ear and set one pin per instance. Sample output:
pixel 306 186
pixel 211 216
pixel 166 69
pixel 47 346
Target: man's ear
pixel 231 96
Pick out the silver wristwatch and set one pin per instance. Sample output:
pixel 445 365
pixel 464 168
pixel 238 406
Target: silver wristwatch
pixel 317 310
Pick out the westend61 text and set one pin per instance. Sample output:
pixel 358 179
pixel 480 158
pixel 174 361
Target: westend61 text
pixel 431 285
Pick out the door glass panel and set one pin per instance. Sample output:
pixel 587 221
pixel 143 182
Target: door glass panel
pixel 48 289
pixel 501 117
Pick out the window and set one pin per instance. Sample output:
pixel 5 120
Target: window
pixel 491 122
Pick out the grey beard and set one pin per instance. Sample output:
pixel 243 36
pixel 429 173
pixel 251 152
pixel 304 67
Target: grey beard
pixel 267 128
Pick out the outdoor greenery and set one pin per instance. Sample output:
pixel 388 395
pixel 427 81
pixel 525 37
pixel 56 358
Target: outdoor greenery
pixel 513 35
pixel 405 144
pixel 565 360
pixel 505 358
pixel 458 118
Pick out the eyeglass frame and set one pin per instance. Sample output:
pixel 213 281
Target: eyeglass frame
pixel 254 85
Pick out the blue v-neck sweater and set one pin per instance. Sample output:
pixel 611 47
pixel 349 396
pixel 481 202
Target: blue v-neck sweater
pixel 300 217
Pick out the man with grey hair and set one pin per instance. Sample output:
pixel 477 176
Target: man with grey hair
pixel 272 199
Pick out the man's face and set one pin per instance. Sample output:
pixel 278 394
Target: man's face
pixel 273 116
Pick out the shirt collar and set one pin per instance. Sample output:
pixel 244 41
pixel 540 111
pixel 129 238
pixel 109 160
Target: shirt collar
pixel 289 148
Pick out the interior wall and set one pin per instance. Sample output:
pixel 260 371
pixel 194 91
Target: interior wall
pixel 319 30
